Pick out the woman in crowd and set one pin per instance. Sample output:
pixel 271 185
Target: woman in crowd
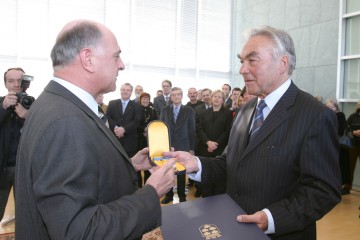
pixel 354 122
pixel 344 154
pixel 148 115
pixel 214 129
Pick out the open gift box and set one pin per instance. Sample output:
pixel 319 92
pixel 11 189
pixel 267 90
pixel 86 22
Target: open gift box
pixel 159 141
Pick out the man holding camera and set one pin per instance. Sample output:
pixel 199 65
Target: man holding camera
pixel 12 117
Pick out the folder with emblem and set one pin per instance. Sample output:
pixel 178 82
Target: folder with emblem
pixel 207 218
pixel 159 141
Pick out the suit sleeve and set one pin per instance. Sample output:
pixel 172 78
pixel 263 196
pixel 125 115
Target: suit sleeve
pixel 318 189
pixel 66 187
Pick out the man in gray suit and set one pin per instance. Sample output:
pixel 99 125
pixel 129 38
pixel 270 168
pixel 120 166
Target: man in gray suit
pixel 164 99
pixel 281 163
pixel 73 178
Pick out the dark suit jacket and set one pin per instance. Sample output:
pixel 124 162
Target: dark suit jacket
pixel 74 179
pixel 129 120
pixel 214 127
pixel 159 103
pixel 7 118
pixel 228 103
pixel 290 167
pixel 182 133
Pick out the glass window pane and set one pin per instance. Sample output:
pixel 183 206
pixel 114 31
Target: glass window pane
pixel 352 79
pixel 352 43
pixel 352 6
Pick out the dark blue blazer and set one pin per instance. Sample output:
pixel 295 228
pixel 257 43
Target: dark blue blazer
pixel 182 133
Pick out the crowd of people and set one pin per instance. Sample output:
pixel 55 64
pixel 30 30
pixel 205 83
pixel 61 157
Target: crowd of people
pixel 347 155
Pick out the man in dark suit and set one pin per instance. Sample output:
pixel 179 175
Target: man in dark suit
pixel 165 99
pixel 226 88
pixel 73 178
pixel 124 117
pixel 281 163
pixel 181 122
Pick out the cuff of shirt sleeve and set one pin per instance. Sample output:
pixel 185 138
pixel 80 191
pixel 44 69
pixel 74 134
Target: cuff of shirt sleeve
pixel 196 176
pixel 271 225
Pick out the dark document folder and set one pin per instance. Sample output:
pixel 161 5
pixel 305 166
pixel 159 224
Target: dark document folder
pixel 207 218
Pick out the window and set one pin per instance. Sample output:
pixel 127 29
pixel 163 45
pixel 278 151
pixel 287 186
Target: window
pixel 348 89
pixel 185 41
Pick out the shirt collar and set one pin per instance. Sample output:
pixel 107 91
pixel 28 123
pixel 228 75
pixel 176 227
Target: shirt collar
pixel 80 93
pixel 272 99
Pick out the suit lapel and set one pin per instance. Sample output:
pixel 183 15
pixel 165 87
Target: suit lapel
pixel 276 117
pixel 57 89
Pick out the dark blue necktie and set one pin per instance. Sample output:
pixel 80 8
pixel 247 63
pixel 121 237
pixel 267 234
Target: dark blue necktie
pixel 259 118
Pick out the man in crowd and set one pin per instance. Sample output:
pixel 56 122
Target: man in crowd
pixel 181 122
pixel 12 117
pixel 73 178
pixel 192 95
pixel 138 91
pixel 281 163
pixel 165 99
pixel 226 88
pixel 124 117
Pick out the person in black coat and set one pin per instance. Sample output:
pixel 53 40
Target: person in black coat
pixel 148 115
pixel 12 117
pixel 344 152
pixel 214 129
pixel 354 122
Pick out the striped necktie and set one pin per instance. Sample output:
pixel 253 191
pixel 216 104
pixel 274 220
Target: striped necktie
pixel 258 118
pixel 176 113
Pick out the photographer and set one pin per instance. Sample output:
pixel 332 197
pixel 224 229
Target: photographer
pixel 12 117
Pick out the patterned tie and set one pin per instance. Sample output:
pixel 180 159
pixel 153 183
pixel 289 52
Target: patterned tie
pixel 166 100
pixel 259 118
pixel 176 113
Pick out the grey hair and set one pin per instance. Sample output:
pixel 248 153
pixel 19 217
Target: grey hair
pixel 177 89
pixel 69 43
pixel 283 44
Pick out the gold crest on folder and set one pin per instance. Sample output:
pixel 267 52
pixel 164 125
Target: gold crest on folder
pixel 210 231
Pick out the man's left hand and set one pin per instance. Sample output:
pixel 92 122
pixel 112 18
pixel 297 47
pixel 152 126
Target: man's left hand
pixel 259 218
pixel 141 160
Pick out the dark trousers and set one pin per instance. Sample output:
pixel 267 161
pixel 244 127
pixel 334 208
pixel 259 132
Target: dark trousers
pixel 345 166
pixel 146 176
pixel 180 187
pixel 354 155
pixel 6 182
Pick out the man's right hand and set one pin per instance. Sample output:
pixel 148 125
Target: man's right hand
pixel 10 100
pixel 163 178
pixel 186 159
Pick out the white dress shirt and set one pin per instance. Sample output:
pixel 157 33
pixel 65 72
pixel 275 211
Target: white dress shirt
pixel 80 93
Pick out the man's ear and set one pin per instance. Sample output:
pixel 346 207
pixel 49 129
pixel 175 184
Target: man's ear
pixel 86 55
pixel 284 64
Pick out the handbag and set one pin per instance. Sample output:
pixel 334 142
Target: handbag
pixel 346 139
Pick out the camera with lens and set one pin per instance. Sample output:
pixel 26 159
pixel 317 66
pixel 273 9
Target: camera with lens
pixel 23 98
